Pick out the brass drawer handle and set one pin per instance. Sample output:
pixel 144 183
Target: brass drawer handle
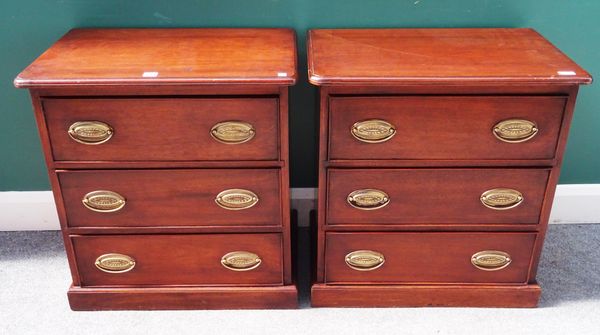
pixel 501 198
pixel 373 131
pixel 103 201
pixel 115 263
pixel 232 132
pixel 365 260
pixel 490 260
pixel 515 130
pixel 241 261
pixel 236 199
pixel 368 199
pixel 90 132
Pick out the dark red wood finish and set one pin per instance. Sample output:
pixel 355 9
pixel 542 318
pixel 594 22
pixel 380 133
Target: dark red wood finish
pixel 429 196
pixel 164 129
pixel 444 90
pixel 172 197
pixel 187 259
pixel 123 57
pixel 163 156
pixel 424 295
pixel 428 257
pixel 183 297
pixel 441 127
pixel 468 56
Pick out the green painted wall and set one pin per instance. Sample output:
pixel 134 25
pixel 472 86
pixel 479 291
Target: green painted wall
pixel 27 28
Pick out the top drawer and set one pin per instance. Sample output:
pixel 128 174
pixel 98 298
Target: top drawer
pixel 163 129
pixel 451 127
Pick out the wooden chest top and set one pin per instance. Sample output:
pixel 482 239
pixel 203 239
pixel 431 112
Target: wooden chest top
pixel 165 56
pixel 437 56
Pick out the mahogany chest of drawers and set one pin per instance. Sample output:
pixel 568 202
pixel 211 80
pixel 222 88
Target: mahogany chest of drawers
pixel 167 151
pixel 440 151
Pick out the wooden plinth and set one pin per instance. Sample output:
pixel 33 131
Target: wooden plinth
pixel 425 296
pixel 93 299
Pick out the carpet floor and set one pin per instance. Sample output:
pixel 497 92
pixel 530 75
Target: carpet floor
pixel 34 277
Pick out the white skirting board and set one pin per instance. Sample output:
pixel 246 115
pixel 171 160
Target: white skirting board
pixel 576 203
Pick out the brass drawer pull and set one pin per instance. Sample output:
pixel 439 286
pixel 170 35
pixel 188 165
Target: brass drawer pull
pixel 103 201
pixel 236 199
pixel 490 260
pixel 364 260
pixel 368 199
pixel 232 132
pixel 501 198
pixel 90 132
pixel 115 263
pixel 515 130
pixel 373 131
pixel 241 261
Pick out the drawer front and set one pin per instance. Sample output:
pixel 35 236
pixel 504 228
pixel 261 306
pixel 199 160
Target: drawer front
pixel 179 259
pixel 429 196
pixel 445 127
pixel 428 257
pixel 162 129
pixel 195 197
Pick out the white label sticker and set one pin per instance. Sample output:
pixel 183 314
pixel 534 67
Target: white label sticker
pixel 281 74
pixel 566 73
pixel 150 74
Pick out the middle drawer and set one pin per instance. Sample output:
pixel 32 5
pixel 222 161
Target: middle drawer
pixel 430 196
pixel 195 197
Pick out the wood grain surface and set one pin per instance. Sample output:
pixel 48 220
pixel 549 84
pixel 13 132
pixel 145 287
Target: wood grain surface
pixel 178 56
pixel 163 129
pixel 507 296
pixel 435 195
pixel 443 90
pixel 437 56
pixel 172 197
pixel 188 259
pixel 445 127
pixel 428 257
pixel 182 298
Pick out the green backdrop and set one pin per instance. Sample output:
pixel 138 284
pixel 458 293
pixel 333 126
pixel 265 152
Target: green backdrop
pixel 27 28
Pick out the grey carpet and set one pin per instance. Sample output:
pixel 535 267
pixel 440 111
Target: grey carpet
pixel 34 278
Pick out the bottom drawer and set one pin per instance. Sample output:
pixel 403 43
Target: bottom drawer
pixel 428 257
pixel 190 259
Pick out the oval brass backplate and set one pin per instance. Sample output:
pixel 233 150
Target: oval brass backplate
pixel 90 132
pixel 373 131
pixel 491 260
pixel 368 199
pixel 115 263
pixel 103 201
pixel 236 199
pixel 232 132
pixel 501 198
pixel 241 261
pixel 515 130
pixel 364 260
